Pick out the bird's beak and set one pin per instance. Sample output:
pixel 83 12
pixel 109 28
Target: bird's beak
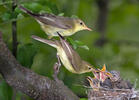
pixel 89 79
pixel 109 74
pixel 87 28
pixel 93 70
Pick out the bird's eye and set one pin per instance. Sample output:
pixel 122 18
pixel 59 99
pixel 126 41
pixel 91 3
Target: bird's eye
pixel 90 68
pixel 97 72
pixel 81 23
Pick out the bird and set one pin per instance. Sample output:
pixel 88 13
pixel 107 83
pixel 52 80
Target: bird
pixel 94 83
pixel 51 24
pixel 104 74
pixel 67 55
pixel 101 74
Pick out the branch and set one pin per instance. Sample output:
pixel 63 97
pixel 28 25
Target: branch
pixel 23 79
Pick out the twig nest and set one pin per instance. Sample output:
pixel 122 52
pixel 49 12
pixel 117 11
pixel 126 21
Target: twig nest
pixel 114 88
pixel 113 94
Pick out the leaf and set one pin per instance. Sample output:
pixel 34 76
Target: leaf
pixel 37 8
pixel 74 16
pixel 33 6
pixel 46 10
pixel 5 91
pixel 54 8
pixel 26 54
pixel 6 16
pixel 61 14
pixel 85 47
pixel 77 44
pixel 20 16
pixel 18 10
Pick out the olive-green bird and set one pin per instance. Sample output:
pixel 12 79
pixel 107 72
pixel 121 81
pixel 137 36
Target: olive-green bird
pixel 68 56
pixel 51 24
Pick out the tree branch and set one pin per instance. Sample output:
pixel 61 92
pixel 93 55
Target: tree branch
pixel 23 79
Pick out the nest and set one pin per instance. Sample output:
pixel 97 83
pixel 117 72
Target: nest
pixel 114 89
pixel 113 94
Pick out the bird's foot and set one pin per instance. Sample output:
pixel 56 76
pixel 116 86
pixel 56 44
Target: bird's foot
pixel 50 37
pixel 56 69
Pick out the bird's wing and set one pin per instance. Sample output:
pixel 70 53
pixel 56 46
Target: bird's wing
pixel 50 19
pixel 55 21
pixel 73 56
pixel 49 42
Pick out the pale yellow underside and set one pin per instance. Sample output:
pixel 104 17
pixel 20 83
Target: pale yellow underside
pixel 52 31
pixel 61 53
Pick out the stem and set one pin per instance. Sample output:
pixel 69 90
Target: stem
pixel 14 30
pixel 102 21
pixel 14 37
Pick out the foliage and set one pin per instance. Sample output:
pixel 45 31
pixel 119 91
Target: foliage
pixel 26 54
pixel 5 91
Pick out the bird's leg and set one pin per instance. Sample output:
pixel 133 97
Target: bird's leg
pixel 50 37
pixel 56 69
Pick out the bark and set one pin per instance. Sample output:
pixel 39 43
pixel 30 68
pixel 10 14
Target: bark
pixel 24 80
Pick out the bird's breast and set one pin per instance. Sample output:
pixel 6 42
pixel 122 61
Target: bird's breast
pixel 64 59
pixel 51 30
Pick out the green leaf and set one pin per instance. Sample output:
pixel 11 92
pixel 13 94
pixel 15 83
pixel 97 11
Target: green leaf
pixel 61 14
pixel 17 10
pixel 54 8
pixel 74 16
pixel 20 16
pixel 33 6
pixel 5 91
pixel 6 16
pixel 77 44
pixel 85 47
pixel 37 8
pixel 26 53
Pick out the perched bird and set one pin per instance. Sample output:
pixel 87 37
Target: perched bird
pixel 51 24
pixel 68 56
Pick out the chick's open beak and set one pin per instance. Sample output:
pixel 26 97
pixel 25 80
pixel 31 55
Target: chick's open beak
pixel 89 79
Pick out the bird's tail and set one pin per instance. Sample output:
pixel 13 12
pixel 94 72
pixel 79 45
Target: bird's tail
pixel 49 42
pixel 27 11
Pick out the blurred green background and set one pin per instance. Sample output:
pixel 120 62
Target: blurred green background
pixel 114 40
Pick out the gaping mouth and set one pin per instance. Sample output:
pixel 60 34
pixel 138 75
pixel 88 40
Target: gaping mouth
pixel 89 79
